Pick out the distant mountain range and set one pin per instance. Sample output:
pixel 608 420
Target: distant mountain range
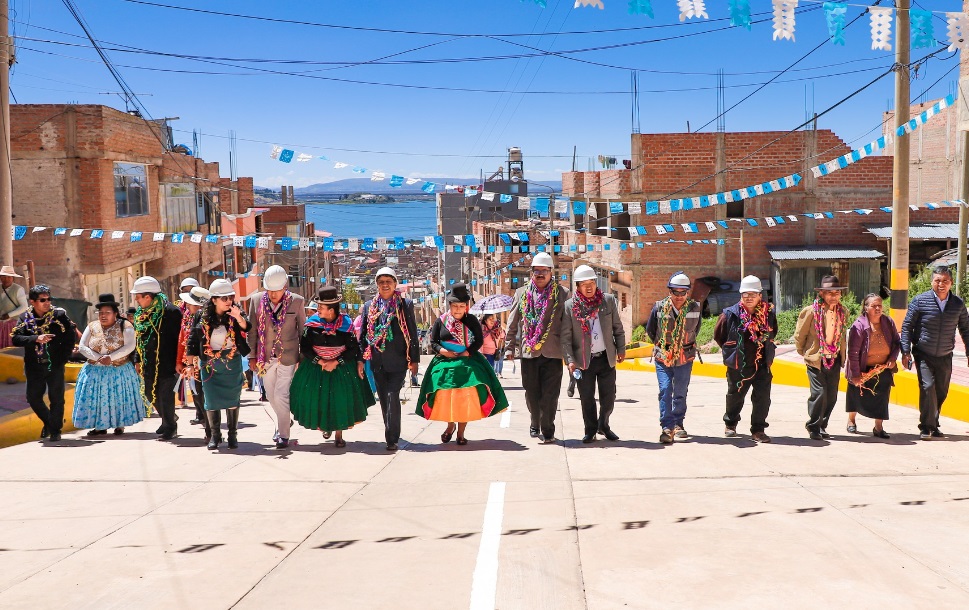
pixel 365 185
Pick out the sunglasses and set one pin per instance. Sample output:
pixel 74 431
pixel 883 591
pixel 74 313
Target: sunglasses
pixel 45 300
pixel 228 298
pixel 678 293
pixel 750 295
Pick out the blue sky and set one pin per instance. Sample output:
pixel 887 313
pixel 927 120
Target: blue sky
pixel 577 106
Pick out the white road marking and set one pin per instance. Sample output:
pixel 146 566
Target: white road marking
pixel 484 583
pixel 505 417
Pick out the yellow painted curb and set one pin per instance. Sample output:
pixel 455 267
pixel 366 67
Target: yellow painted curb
pixel 12 367
pixel 23 426
pixel 905 392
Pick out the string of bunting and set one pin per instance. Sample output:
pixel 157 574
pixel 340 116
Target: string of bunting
pixel 242 241
pixel 835 13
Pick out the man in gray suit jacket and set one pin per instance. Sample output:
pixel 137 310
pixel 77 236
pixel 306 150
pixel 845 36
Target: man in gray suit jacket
pixel 277 316
pixel 593 340
pixel 536 323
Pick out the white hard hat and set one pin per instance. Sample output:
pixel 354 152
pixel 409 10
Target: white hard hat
pixel 312 306
pixel 679 281
pixel 543 259
pixel 146 284
pixel 189 281
pixel 583 273
pixel 221 288
pixel 751 283
pixel 386 271
pixel 275 278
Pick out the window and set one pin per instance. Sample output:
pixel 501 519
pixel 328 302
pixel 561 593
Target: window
pixel 130 189
pixel 208 211
pixel 293 231
pixel 295 279
pixel 178 208
pixel 230 261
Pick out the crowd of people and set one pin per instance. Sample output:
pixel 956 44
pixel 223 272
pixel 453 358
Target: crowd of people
pixel 318 367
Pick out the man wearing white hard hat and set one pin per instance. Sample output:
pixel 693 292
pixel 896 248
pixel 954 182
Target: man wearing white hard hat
pixel 593 340
pixel 157 327
pixel 13 303
pixel 277 317
pixel 389 341
pixel 535 324
pixel 672 328
pixel 745 333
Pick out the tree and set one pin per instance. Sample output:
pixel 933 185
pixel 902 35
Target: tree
pixel 351 296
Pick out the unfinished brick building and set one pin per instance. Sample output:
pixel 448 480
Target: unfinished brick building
pixel 677 165
pixel 94 167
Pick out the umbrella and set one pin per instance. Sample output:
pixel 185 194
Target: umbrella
pixel 495 303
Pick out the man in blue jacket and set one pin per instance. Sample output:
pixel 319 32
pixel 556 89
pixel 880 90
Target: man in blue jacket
pixel 928 337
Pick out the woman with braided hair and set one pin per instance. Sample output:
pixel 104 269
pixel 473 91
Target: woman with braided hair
pixel 593 341
pixel 873 347
pixel 157 324
pixel 218 342
pixel 745 333
pixel 672 328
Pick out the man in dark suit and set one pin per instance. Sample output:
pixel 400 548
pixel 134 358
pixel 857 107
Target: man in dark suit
pixel 158 325
pixel 48 337
pixel 928 336
pixel 389 341
pixel 593 341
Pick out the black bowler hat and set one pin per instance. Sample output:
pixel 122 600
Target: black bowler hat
pixel 328 295
pixel 459 294
pixel 106 300
pixel 831 282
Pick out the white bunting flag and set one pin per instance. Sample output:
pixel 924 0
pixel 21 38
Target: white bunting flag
pixel 458 240
pixel 561 206
pixel 238 241
pixel 633 232
pixel 304 244
pixel 276 152
pixel 158 237
pixel 381 243
pixel 596 3
pixel 759 189
pixel 635 207
pixel 76 232
pixel 784 19
pixel 39 229
pixel 353 244
pixel 340 165
pixel 686 227
pixel 488 196
pixel 728 196
pixel 196 238
pixel 664 207
pixel 792 218
pixel 660 229
pixel 691 8
pixel 958 29
pixel 818 215
pixel 429 241
pixel 524 203
pixel 710 226
pixel 881 28
pixel 591 210
pixel 262 243
pixel 413 180
pixel 377 176
pixel 770 222
pixel 303 157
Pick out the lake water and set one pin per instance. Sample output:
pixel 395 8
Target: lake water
pixel 407 219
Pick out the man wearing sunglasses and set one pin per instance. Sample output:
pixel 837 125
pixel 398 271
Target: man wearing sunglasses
pixel 672 328
pixel 48 336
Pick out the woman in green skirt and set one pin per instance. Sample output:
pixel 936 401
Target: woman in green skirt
pixel 329 391
pixel 218 343
pixel 459 386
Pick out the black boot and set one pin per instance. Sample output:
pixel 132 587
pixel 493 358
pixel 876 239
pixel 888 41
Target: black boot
pixel 214 419
pixel 232 418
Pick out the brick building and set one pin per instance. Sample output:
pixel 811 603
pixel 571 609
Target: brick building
pixel 678 165
pixel 94 167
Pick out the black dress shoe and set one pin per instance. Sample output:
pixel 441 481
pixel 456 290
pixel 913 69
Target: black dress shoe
pixel 609 434
pixel 533 432
pixel 168 435
pixel 55 436
pixel 880 433
pixel 391 446
pixel 588 438
pixel 824 434
pixel 161 429
pixel 44 433
pixel 937 434
pixel 816 436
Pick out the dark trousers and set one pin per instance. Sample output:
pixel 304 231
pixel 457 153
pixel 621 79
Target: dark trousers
pixel 388 385
pixel 760 399
pixel 934 373
pixel 599 372
pixel 42 381
pixel 199 397
pixel 164 401
pixel 542 380
pixel 824 395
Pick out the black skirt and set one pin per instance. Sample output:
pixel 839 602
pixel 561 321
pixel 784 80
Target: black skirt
pixel 871 400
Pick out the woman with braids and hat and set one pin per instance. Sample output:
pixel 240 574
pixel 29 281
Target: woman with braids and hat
pixel 157 326
pixel 218 342
pixel 108 390
pixel 460 385
pixel 330 392
pixel 181 397
pixel 192 303
pixel 873 347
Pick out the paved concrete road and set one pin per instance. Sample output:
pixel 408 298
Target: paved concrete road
pixel 130 522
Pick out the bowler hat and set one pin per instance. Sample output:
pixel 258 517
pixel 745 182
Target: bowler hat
pixel 459 294
pixel 328 295
pixel 106 300
pixel 831 282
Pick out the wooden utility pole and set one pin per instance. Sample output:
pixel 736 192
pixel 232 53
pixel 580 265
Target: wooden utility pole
pixel 898 280
pixel 6 180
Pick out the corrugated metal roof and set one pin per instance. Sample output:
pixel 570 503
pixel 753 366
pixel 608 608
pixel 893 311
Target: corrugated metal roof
pixel 822 253
pixel 940 230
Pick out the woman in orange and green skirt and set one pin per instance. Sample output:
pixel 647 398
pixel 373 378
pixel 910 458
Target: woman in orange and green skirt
pixel 459 385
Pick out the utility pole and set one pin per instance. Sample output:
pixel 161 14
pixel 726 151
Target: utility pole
pixel 898 280
pixel 6 180
pixel 963 211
